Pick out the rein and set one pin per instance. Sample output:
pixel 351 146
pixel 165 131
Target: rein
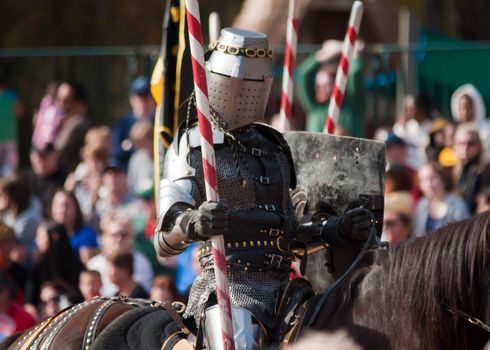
pixel 473 320
pixel 346 274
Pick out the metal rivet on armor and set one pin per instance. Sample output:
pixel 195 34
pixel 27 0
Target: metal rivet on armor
pixel 248 264
pixel 238 261
pixel 245 268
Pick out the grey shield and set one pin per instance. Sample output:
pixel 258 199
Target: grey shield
pixel 338 173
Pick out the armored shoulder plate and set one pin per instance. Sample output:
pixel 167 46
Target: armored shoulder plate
pixel 176 185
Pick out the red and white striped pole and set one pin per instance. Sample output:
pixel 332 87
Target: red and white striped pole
pixel 286 113
pixel 343 69
pixel 209 166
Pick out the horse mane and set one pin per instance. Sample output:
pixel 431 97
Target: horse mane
pixel 445 269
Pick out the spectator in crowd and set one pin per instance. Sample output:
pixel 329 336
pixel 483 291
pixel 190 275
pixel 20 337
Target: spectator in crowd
pixel 120 272
pixel 90 284
pixel 71 100
pixel 467 105
pixel 483 201
pixel 438 206
pixel 140 169
pixel 86 180
pixel 10 111
pixel 9 268
pixel 398 179
pixel 117 237
pixel 415 128
pixel 21 212
pixel 13 317
pixel 115 197
pixel 56 263
pixel 400 174
pixel 397 218
pixel 64 210
pixel 437 139
pixel 396 150
pixel 316 78
pixel 86 184
pixel 46 175
pixel 142 109
pixel 164 289
pixel 53 298
pixel 47 119
pixel 471 172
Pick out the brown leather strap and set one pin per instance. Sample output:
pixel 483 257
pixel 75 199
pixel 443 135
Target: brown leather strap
pixel 93 323
pixel 42 330
pixel 175 314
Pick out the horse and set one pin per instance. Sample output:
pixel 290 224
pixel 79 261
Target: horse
pixel 427 293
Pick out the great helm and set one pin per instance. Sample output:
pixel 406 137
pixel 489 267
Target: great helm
pixel 239 75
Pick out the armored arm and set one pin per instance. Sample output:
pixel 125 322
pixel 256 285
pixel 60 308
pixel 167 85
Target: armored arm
pixel 331 231
pixel 170 237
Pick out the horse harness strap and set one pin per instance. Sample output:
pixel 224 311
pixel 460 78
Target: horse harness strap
pixel 42 332
pixel 473 320
pixel 93 323
pixel 175 341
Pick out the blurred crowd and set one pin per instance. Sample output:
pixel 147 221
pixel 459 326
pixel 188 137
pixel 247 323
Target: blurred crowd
pixel 79 221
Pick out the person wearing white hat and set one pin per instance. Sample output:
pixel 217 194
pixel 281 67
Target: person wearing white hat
pixel 467 105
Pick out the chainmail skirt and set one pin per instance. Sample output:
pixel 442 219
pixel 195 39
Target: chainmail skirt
pixel 257 292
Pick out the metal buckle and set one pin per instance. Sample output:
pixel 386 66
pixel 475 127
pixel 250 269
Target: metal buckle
pixel 256 151
pixel 270 207
pixel 265 181
pixel 276 260
pixel 274 232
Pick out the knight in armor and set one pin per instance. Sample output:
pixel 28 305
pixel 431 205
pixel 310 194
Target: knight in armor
pixel 255 214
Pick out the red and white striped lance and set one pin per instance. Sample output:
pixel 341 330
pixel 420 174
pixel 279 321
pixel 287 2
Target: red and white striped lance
pixel 209 166
pixel 286 113
pixel 343 69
